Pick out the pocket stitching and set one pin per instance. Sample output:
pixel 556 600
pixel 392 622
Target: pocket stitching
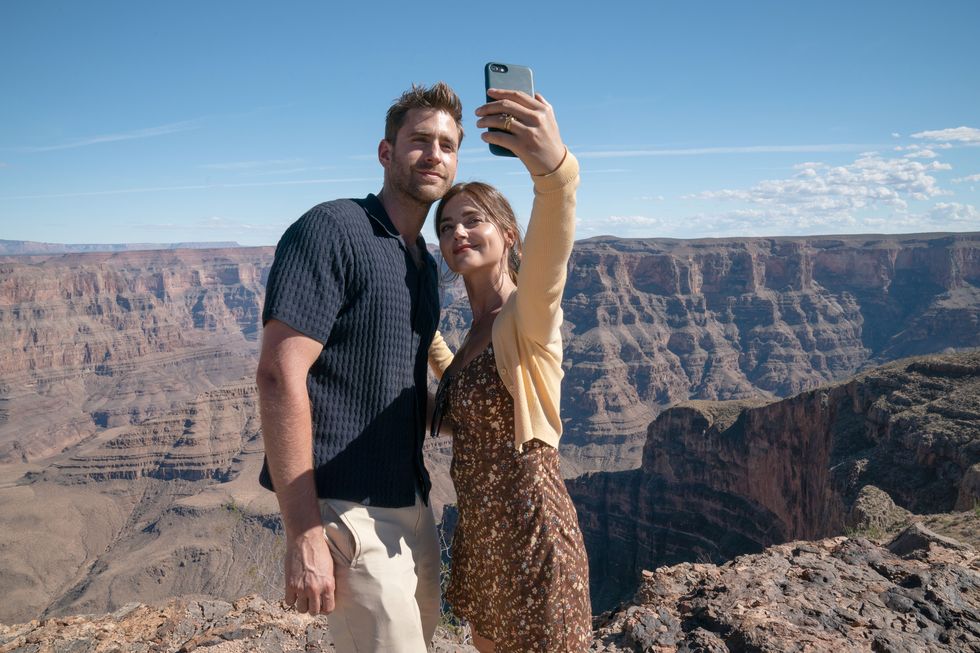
pixel 355 538
pixel 352 536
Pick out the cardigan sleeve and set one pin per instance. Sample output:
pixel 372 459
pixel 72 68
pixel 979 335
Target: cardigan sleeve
pixel 547 248
pixel 440 356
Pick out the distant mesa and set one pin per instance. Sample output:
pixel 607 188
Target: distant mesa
pixel 28 247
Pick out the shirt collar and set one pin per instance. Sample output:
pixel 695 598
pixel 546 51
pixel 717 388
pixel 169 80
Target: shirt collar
pixel 376 210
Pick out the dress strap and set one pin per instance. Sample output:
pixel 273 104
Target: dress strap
pixel 440 402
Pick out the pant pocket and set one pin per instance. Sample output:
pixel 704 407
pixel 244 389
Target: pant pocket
pixel 341 536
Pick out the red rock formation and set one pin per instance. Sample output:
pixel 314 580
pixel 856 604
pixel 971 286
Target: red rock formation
pixel 723 479
pixel 90 341
pixel 203 440
pixel 653 322
pixel 648 323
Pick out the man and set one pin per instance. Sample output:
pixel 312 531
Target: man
pixel 351 307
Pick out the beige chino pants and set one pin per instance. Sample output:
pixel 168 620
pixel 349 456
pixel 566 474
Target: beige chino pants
pixel 386 566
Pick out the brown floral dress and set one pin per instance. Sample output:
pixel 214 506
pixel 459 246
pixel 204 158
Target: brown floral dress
pixel 519 574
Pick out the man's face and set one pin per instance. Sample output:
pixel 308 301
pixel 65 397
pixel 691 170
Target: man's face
pixel 421 163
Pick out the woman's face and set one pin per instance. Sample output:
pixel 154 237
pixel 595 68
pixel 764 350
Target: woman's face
pixel 468 239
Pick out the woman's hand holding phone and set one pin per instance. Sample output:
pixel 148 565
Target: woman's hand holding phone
pixel 529 128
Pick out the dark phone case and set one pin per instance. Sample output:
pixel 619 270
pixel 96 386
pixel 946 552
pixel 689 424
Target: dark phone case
pixel 515 77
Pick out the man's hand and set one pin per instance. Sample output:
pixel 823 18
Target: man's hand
pixel 309 573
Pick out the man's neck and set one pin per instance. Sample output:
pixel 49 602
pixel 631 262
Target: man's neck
pixel 406 214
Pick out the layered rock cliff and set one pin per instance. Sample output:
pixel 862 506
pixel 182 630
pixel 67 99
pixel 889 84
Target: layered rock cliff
pixel 95 341
pixel 204 439
pixel 164 508
pixel 653 322
pixel 91 341
pixel 723 479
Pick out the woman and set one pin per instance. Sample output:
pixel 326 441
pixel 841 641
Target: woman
pixel 519 571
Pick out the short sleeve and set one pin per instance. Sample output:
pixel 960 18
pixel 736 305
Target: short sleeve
pixel 307 281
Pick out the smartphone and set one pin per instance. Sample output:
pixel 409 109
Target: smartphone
pixel 509 76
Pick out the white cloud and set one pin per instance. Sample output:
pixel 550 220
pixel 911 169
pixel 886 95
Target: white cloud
pixel 754 222
pixel 874 193
pixel 821 188
pixel 633 220
pixel 821 198
pixel 924 153
pixel 968 178
pixel 149 132
pixel 896 135
pixel 921 151
pixel 776 222
pixel 954 212
pixel 956 134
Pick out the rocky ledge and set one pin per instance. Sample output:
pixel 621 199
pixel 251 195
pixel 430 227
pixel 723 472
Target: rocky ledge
pixel 919 593
pixel 250 624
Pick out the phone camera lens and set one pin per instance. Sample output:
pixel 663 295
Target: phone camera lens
pixel 497 68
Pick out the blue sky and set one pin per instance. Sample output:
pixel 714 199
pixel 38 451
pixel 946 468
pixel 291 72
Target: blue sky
pixel 218 120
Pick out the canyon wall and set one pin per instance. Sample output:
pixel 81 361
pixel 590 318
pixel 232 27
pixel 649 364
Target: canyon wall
pixel 723 479
pixel 91 341
pixel 649 323
pixel 96 341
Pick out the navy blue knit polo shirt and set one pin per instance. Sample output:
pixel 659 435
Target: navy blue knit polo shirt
pixel 343 277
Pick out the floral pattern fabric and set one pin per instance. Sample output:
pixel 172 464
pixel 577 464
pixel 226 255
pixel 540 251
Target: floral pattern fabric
pixel 519 572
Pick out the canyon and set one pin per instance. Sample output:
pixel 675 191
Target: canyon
pixel 90 342
pixel 711 408
pixel 721 479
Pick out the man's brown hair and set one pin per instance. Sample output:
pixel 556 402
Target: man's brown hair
pixel 439 96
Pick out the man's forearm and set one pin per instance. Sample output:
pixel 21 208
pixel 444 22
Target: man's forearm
pixel 284 407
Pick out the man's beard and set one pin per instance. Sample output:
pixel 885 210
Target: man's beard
pixel 422 193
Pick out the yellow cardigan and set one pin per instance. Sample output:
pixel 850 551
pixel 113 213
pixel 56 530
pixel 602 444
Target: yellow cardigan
pixel 526 334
